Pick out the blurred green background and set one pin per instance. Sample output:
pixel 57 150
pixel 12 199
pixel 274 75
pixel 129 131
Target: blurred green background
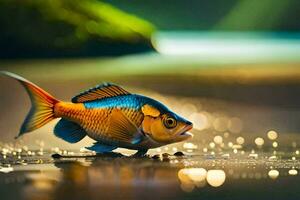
pixel 51 28
pixel 72 28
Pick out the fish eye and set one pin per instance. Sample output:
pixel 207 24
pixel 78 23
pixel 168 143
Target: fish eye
pixel 169 122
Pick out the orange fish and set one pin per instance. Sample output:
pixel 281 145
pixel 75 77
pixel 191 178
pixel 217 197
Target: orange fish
pixel 108 114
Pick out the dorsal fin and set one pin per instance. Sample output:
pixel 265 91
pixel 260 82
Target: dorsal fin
pixel 102 91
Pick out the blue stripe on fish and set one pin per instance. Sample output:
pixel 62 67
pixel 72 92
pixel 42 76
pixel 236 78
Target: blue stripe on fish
pixel 129 101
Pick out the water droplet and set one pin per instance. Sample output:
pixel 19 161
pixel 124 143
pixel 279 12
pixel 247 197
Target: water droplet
pixel 272 135
pixel 272 158
pixel 259 141
pixel 273 174
pixel 218 139
pixel 293 172
pixel 237 146
pixel 189 145
pixel 226 156
pixel 212 145
pixel 275 144
pixel 215 177
pixel 240 140
pixel 253 155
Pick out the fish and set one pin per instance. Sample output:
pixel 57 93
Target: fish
pixel 108 114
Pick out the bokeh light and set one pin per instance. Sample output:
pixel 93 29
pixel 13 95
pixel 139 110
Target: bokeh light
pixel 272 135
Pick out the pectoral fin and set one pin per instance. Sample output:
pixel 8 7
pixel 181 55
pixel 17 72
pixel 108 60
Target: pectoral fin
pixel 123 129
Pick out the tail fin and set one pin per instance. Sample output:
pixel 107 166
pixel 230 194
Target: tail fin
pixel 42 105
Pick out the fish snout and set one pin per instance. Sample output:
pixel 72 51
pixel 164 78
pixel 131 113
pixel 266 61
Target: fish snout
pixel 184 134
pixel 188 126
pixel 189 123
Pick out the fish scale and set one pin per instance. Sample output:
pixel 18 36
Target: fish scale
pixel 96 121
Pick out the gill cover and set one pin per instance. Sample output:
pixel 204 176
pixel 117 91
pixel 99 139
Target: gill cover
pixel 152 124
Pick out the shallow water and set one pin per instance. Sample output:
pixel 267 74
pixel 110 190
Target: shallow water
pixel 226 175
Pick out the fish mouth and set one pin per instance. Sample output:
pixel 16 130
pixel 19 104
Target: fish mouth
pixel 184 134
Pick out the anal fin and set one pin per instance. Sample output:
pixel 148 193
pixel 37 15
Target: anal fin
pixel 69 131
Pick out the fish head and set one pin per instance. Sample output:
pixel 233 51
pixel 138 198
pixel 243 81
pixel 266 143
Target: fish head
pixel 165 126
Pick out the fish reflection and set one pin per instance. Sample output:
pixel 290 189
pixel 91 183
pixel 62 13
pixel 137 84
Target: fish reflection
pixel 39 184
pixel 198 177
pixel 108 178
pixel 191 178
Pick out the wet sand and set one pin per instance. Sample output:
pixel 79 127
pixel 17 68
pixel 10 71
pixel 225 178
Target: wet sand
pixel 193 176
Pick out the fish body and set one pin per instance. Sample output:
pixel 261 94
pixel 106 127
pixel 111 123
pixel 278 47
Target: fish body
pixel 108 114
pixel 94 117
